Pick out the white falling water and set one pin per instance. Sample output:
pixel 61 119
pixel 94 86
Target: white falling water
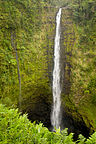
pixel 55 117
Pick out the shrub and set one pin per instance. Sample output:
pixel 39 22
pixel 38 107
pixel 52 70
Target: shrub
pixel 17 129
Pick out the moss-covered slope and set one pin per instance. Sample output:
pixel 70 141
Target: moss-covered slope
pixel 79 80
pixel 26 50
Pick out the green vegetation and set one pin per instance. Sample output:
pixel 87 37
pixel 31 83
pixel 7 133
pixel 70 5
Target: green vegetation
pixel 83 60
pixel 16 128
pixel 27 30
pixel 25 51
pixel 60 3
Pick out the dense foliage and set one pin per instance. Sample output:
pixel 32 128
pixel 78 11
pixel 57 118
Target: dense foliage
pixel 84 59
pixel 23 51
pixel 26 49
pixel 59 3
pixel 16 128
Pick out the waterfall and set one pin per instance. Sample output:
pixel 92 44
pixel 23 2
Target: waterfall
pixel 56 117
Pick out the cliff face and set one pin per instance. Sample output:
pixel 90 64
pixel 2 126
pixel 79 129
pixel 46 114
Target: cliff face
pixel 38 105
pixel 71 117
pixel 26 54
pixel 77 73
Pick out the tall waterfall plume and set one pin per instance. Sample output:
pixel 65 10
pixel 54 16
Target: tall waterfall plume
pixel 56 117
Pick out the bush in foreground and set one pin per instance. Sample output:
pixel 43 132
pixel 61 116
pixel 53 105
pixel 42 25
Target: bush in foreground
pixel 17 129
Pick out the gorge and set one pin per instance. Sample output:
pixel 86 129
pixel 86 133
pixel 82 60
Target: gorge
pixel 29 63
